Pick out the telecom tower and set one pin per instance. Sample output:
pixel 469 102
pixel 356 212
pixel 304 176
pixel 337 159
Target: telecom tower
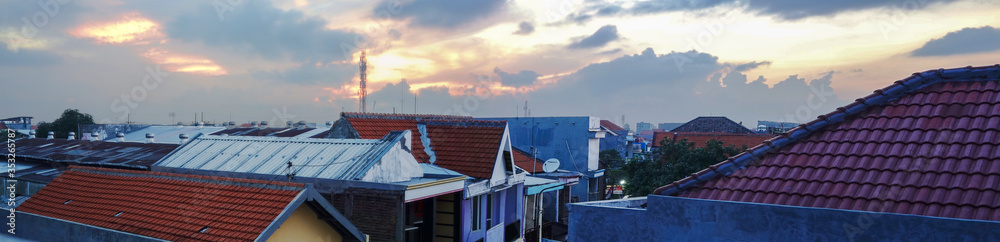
pixel 363 92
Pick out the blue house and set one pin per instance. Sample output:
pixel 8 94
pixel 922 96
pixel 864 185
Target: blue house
pixel 574 141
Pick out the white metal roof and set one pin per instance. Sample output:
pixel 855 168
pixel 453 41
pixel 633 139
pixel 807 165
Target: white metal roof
pixel 340 159
pixel 164 133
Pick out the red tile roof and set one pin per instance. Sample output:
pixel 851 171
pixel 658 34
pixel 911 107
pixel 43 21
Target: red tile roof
pixel 611 126
pixel 163 205
pixel 926 145
pixel 467 147
pixel 3 125
pixel 377 125
pixel 700 139
pixel 523 160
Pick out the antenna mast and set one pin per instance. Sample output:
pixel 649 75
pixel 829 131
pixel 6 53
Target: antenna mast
pixel 363 92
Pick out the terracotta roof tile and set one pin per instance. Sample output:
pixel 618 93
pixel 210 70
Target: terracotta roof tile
pixel 163 205
pixel 927 145
pixel 523 160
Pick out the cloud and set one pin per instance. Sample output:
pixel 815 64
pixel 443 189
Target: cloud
pixel 522 78
pixel 782 9
pixel 601 37
pixel 26 57
pixel 443 14
pixel 964 41
pixel 309 74
pixel 263 30
pixel 525 28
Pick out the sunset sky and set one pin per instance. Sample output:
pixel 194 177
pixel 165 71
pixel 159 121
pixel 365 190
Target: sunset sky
pixel 654 61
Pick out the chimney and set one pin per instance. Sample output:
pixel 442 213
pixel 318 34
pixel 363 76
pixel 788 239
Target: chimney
pixel 52 135
pixel 263 124
pixel 149 137
pixel 288 124
pixel 72 136
pixel 31 134
pixel 94 137
pixel 302 125
pixel 253 124
pixel 120 136
pixel 183 137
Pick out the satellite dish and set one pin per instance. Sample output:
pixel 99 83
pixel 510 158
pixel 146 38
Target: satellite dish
pixel 550 165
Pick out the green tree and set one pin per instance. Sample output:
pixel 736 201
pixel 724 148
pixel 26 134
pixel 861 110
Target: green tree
pixel 673 161
pixel 70 121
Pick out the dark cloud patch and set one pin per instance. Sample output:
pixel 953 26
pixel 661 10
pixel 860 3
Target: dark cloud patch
pixel 266 31
pixel 782 9
pixel 26 57
pixel 444 13
pixel 525 28
pixel 750 66
pixel 395 34
pixel 601 37
pixel 964 41
pixel 522 78
pixel 310 74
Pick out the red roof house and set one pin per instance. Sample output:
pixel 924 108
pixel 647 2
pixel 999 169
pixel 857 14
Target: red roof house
pixel 182 207
pixel 926 145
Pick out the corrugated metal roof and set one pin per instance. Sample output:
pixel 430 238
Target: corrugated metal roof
pixel 166 134
pixel 339 159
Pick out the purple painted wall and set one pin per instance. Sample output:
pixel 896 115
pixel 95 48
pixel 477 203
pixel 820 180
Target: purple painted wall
pixel 509 207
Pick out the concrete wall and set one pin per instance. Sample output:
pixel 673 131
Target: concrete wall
pixel 684 219
pixel 550 136
pixel 39 228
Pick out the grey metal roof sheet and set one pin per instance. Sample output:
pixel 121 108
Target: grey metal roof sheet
pixel 340 159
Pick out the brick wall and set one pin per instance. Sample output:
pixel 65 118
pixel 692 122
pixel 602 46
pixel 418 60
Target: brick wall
pixel 374 212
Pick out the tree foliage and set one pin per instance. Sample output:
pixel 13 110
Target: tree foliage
pixel 70 120
pixel 673 161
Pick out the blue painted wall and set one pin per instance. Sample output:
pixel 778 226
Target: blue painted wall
pixel 550 136
pixel 508 208
pixel 684 219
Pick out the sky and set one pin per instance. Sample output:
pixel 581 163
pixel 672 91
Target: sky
pixel 642 61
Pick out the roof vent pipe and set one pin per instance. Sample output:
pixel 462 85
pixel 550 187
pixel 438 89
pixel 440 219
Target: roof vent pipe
pixel 52 135
pixel 329 124
pixel 253 124
pixel 180 125
pixel 31 134
pixel 302 124
pixel 121 137
pixel 288 124
pixel 71 136
pixel 94 136
pixel 201 125
pixel 231 124
pixel 263 124
pixel 149 137
pixel 183 137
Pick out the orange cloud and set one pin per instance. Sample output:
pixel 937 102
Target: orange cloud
pixel 185 63
pixel 130 29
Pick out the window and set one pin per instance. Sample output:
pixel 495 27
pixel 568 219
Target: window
pixel 489 209
pixel 476 213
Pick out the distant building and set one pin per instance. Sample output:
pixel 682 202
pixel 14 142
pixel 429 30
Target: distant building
pixel 701 139
pixel 668 126
pixel 772 127
pixel 616 138
pixel 713 125
pixel 643 126
pixel 88 203
pixel 917 158
pixel 17 123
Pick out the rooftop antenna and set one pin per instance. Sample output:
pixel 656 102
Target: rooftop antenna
pixel 363 92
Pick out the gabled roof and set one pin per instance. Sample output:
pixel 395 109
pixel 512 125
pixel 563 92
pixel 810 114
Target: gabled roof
pixel 713 124
pixel 337 159
pixel 103 153
pixel 611 126
pixel 458 143
pixel 178 207
pixel 524 160
pixel 925 145
pixel 700 139
pixel 468 147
